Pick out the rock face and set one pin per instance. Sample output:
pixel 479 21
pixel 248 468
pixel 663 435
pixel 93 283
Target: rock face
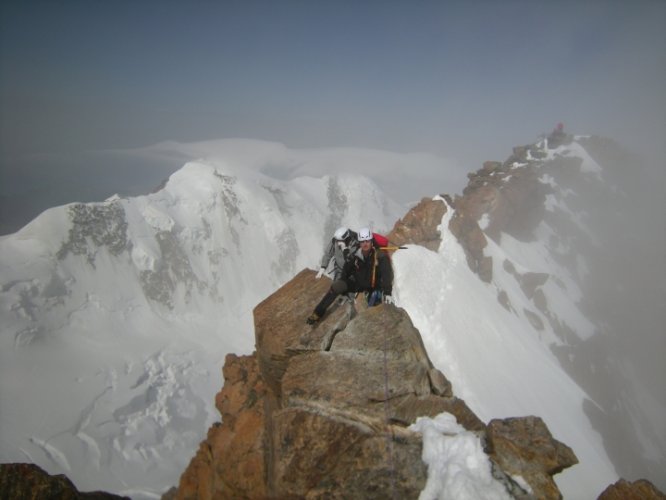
pixel 30 482
pixel 638 490
pixel 524 447
pixel 420 225
pixel 230 463
pixel 323 412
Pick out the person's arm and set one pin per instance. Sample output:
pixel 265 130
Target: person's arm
pixel 328 254
pixel 326 258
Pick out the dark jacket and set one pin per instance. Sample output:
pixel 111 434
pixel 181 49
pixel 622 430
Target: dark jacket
pixel 373 272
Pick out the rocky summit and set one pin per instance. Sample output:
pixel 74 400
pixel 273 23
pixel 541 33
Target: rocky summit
pixel 324 412
pixel 30 482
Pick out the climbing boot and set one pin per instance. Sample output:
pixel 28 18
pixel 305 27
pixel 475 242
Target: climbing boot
pixel 312 319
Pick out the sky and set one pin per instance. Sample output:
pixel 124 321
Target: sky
pixel 463 80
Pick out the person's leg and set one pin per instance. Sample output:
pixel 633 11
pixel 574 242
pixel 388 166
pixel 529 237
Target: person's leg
pixel 338 287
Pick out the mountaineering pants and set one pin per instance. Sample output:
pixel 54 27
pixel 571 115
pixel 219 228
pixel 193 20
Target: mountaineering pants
pixel 338 287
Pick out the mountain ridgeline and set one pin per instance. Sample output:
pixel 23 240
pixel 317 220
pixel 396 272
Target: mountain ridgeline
pixel 522 310
pixel 589 206
pixel 325 412
pixel 310 390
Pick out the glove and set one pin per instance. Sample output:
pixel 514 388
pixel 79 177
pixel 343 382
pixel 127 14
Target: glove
pixel 321 272
pixel 388 299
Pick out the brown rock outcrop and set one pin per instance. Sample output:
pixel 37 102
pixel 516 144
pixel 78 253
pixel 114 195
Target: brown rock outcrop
pixel 512 200
pixel 230 463
pixel 420 225
pixel 524 447
pixel 323 412
pixel 465 228
pixel 30 482
pixel 638 490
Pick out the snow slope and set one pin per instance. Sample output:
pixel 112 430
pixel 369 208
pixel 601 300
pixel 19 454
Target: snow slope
pixel 493 357
pixel 511 356
pixel 117 316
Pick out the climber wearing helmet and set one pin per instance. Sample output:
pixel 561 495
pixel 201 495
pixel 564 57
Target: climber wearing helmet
pixel 368 271
pixel 342 246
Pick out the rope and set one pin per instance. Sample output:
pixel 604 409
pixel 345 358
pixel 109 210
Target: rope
pixel 374 268
pixel 389 433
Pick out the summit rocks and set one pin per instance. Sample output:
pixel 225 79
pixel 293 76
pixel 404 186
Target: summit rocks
pixel 30 482
pixel 324 412
pixel 420 225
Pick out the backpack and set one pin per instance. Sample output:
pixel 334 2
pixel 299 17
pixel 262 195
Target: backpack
pixel 380 240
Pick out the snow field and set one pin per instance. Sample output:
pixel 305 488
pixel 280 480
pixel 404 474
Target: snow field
pixel 494 358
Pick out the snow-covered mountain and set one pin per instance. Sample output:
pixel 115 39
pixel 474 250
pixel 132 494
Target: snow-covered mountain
pixel 116 316
pixel 520 300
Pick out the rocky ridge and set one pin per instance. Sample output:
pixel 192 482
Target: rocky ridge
pixel 551 185
pixel 297 373
pixel 324 412
pixel 30 482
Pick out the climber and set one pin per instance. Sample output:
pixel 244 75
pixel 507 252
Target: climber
pixel 368 271
pixel 342 247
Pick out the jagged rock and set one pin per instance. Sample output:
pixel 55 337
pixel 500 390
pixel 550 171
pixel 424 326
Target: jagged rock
pixel 280 323
pixel 333 436
pixel 30 482
pixel 466 229
pixel 524 447
pixel 529 282
pixel 420 225
pixel 638 490
pixel 503 299
pixel 491 166
pixel 534 319
pixel 323 412
pixel 520 153
pixel 321 454
pixel 410 407
pixel 511 198
pixel 439 384
pixel 231 462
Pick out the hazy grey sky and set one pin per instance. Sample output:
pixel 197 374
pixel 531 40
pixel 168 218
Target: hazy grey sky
pixel 465 80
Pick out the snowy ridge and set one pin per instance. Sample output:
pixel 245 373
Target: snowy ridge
pixel 494 359
pixel 117 315
pixel 502 345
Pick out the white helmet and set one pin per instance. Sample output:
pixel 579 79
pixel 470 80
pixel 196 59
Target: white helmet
pixel 341 234
pixel 364 234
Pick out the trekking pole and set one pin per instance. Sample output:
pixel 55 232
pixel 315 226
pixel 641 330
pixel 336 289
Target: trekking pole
pixel 393 248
